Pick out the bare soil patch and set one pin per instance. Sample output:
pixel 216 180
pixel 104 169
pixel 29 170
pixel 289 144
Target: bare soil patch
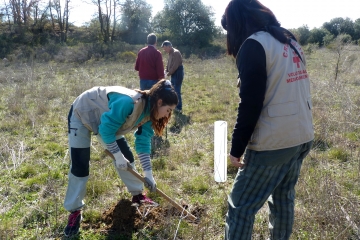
pixel 122 220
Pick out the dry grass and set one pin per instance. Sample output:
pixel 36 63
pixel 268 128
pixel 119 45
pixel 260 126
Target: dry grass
pixel 34 103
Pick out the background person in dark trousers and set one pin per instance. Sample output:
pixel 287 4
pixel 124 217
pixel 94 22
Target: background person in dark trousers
pixel 149 64
pixel 175 69
pixel 274 123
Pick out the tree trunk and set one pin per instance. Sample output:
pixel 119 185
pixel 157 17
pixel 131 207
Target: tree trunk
pixel 114 24
pixel 66 13
pixel 52 17
pixel 100 18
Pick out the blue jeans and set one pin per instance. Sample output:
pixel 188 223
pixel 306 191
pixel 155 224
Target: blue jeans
pixel 147 84
pixel 176 80
pixel 266 176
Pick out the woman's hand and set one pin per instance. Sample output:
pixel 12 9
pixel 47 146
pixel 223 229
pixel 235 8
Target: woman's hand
pixel 236 162
pixel 150 181
pixel 120 161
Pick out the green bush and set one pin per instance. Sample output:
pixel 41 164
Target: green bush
pixel 126 56
pixel 52 48
pixel 45 57
pixel 211 51
pixel 344 38
pixel 310 48
pixel 6 45
pixel 328 39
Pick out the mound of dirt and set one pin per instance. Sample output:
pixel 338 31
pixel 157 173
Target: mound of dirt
pixel 123 219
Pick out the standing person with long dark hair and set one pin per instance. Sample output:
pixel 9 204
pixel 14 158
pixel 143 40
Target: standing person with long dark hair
pixel 110 113
pixel 274 124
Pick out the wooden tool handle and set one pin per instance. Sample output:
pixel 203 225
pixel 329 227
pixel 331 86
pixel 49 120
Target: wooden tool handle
pixel 173 203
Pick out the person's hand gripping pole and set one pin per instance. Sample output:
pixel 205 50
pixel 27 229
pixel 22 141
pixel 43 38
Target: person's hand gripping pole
pixel 120 161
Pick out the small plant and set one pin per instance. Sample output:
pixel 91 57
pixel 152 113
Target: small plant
pixel 159 163
pixel 92 216
pixel 353 136
pixel 339 154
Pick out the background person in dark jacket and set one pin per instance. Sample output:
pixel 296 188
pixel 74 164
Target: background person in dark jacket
pixel 274 124
pixel 149 64
pixel 175 69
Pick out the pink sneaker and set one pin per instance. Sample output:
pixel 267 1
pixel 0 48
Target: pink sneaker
pixel 73 226
pixel 143 199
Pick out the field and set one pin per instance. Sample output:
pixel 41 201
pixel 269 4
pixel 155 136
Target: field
pixel 35 98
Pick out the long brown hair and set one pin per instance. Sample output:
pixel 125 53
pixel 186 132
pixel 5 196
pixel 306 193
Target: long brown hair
pixel 242 18
pixel 161 90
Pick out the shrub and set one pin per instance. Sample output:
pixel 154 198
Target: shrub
pixel 328 39
pixel 45 57
pixel 126 56
pixel 73 54
pixel 344 38
pixel 52 48
pixel 310 48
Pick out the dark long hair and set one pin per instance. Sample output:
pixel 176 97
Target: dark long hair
pixel 161 90
pixel 243 18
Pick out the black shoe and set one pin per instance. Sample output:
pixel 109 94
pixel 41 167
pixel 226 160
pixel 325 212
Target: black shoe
pixel 73 225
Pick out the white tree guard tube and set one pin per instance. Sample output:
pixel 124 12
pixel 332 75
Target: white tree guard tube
pixel 220 151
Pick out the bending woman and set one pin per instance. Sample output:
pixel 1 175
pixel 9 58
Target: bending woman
pixel 111 112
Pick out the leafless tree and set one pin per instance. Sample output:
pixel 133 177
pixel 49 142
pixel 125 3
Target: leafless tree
pixel 6 11
pixel 107 11
pixel 21 10
pixel 60 19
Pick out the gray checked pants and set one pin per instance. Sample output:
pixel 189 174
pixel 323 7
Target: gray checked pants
pixel 267 176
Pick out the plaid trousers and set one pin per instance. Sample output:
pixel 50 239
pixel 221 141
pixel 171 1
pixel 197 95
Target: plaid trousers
pixel 266 176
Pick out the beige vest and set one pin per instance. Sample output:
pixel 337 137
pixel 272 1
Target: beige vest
pixel 286 118
pixel 91 104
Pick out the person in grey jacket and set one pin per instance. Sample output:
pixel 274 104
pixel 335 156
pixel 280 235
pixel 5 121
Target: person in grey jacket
pixel 110 113
pixel 174 69
pixel 274 126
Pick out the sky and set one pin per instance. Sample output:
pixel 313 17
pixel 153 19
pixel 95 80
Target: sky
pixel 291 14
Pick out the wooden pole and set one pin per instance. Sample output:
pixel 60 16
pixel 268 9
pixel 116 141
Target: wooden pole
pixel 161 193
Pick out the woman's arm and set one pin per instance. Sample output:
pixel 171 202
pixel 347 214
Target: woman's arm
pixel 121 106
pixel 251 63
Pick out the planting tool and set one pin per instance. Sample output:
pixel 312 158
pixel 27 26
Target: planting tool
pixel 161 193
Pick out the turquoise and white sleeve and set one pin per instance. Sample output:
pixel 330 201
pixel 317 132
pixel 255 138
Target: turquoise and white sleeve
pixel 121 106
pixel 143 145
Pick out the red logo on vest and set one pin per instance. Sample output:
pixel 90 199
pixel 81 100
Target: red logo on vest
pixel 296 60
pixel 285 53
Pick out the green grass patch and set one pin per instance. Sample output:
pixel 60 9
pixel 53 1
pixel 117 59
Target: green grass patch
pixel 198 184
pixel 353 136
pixel 34 157
pixel 339 154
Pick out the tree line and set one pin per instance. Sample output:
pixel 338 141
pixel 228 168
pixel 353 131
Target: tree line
pixel 39 22
pixel 29 24
pixel 346 28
